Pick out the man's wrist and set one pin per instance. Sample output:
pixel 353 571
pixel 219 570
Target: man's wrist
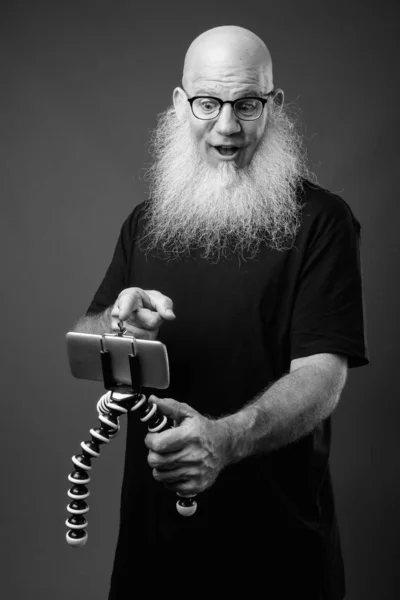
pixel 236 429
pixel 108 320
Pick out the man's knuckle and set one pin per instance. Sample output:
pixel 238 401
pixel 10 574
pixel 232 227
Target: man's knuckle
pixel 152 461
pixel 157 446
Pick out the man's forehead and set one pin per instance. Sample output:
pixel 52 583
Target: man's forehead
pixel 227 58
pixel 227 82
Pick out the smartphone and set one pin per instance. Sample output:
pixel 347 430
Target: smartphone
pixel 85 360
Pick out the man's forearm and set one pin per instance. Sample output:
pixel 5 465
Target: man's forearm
pixel 288 410
pixel 98 324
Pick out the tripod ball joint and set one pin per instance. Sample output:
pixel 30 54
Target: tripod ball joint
pixel 186 506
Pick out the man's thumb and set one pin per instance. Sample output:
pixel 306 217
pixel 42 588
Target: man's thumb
pixel 171 408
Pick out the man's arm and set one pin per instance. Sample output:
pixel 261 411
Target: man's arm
pixel 96 323
pixel 189 457
pixel 291 408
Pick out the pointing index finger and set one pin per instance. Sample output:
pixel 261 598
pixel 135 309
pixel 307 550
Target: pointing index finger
pixel 131 300
pixel 162 304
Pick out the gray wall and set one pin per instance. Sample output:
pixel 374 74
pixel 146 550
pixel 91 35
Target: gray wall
pixel 81 85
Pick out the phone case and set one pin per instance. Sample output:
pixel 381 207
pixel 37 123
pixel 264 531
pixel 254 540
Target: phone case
pixel 83 351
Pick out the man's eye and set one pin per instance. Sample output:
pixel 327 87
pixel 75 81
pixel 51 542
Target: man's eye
pixel 207 105
pixel 248 106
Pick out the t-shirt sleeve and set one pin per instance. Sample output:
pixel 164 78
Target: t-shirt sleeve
pixel 116 277
pixel 329 312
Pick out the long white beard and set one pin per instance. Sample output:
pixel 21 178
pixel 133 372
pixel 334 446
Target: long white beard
pixel 224 209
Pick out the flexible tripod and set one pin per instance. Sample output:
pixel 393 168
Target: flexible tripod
pixel 118 400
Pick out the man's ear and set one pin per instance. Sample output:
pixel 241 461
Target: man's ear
pixel 179 99
pixel 278 97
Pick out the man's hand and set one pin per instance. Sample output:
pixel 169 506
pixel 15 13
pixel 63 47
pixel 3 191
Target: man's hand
pixel 142 311
pixel 188 458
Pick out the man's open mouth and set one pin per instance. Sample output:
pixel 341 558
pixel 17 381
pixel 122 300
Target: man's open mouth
pixel 227 150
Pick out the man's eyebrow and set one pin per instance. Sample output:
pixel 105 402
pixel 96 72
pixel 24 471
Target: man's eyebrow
pixel 249 93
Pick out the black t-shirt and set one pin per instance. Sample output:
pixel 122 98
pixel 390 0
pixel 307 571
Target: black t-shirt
pixel 238 325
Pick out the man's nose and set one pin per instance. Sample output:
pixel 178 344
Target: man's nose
pixel 227 122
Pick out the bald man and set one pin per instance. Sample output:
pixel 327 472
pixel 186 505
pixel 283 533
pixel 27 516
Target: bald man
pixel 250 274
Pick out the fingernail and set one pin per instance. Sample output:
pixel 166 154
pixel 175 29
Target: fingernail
pixel 170 312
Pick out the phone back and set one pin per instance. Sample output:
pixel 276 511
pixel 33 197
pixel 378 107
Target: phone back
pixel 85 360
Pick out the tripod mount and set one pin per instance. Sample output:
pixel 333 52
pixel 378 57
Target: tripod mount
pixel 120 399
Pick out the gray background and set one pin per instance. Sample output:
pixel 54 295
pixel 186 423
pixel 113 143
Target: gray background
pixel 81 84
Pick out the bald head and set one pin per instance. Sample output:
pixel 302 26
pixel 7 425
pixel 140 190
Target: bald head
pixel 223 53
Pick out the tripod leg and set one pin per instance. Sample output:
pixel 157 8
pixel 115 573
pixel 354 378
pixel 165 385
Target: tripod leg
pixel 110 407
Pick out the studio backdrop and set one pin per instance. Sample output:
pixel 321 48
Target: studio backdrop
pixel 81 86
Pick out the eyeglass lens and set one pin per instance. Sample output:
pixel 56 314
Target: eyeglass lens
pixel 245 108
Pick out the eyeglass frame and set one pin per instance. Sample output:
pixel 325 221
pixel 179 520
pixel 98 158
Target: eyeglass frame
pixel 232 103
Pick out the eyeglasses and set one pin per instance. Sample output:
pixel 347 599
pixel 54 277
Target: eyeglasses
pixel 246 109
